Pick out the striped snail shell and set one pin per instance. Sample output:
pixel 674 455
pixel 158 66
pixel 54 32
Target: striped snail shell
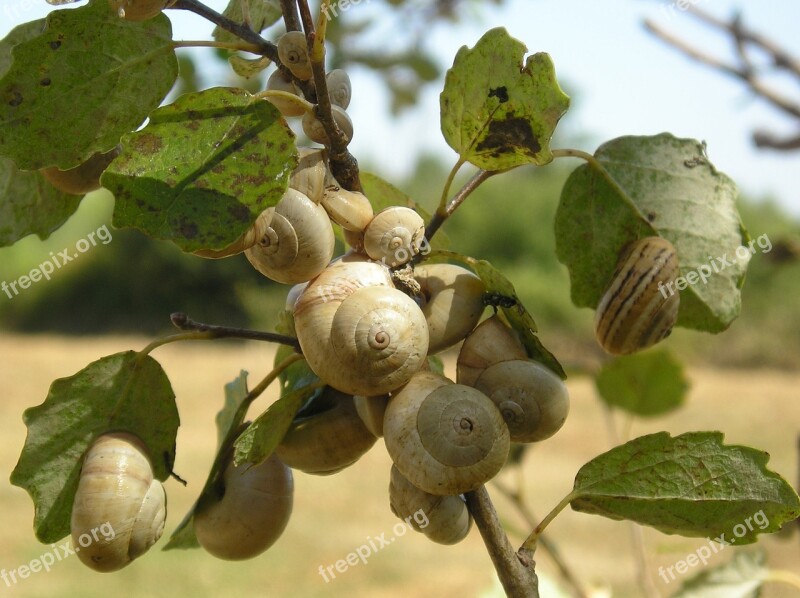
pixel 297 243
pixel 293 54
pixel 250 511
pixel 639 307
pixel 394 236
pixel 453 303
pixel 445 438
pixel 358 333
pixel 445 520
pixel 117 489
pixel 326 436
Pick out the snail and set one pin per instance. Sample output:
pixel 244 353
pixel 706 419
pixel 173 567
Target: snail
pixel 244 242
pixel 454 303
pixel 316 132
pixel 293 54
pixel 446 518
pixel 117 489
pixel 339 88
pixel 293 294
pixel 326 436
pixel 533 400
pixel 311 173
pixel 371 411
pixel 394 235
pixel 491 342
pixel 85 177
pixel 297 243
pixel 139 10
pixel 249 511
pixel 445 438
pixel 634 313
pixel 349 209
pixel 354 239
pixel 358 333
pixel 278 82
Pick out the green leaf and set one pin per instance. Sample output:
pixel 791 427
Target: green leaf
pixel 20 33
pixel 30 205
pixel 676 193
pixel 297 374
pixel 248 67
pixel 500 292
pixel 436 364
pixel 692 485
pixel 77 87
pixel 383 194
pixel 229 419
pixel 644 384
pixel 121 392
pixel 203 169
pixel 497 113
pixel 262 437
pixel 262 14
pixel 742 577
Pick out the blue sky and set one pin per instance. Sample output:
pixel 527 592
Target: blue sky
pixel 625 81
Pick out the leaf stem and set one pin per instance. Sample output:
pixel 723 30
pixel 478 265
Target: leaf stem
pixel 174 338
pixel 515 569
pixel 781 576
pixel 530 542
pixel 443 214
pixel 212 331
pixel 270 378
pixel 261 45
pixel 242 46
pixel 442 209
pixel 598 166
pixel 290 15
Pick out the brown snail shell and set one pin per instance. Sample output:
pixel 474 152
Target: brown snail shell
pixel 491 342
pixel 634 312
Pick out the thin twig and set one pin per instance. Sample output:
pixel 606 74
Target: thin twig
pixel 441 215
pixel 515 569
pixel 290 15
pixel 213 331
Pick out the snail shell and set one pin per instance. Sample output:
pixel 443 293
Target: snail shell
pixel 533 400
pixel 243 243
pixel 293 54
pixel 634 313
pixel 394 235
pixel 311 173
pixel 316 132
pixel 491 342
pixel 117 488
pixel 139 10
pixel 454 303
pixel 371 410
pixel 327 436
pixel 349 209
pixel 359 334
pixel 251 512
pixel 287 107
pixel 339 87
pixel 84 178
pixel 445 438
pixel 446 518
pixel 297 243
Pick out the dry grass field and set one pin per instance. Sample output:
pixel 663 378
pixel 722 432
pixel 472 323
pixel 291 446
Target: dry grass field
pixel 334 515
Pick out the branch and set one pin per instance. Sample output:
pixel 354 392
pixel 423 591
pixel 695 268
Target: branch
pixel 184 322
pixel 769 140
pixel 443 214
pixel 515 569
pixel 290 15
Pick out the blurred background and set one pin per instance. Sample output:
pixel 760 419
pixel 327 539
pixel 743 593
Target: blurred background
pixel 622 80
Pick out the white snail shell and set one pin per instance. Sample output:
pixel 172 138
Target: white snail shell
pixel 117 487
pixel 454 303
pixel 339 87
pixel 394 236
pixel 349 209
pixel 371 410
pixel 357 333
pixel 633 313
pixel 311 173
pixel 316 132
pixel 139 10
pixel 276 82
pixel 445 520
pixel 491 342
pixel 293 54
pixel 251 513
pixel 297 243
pixel 533 400
pixel 445 438
pixel 328 437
